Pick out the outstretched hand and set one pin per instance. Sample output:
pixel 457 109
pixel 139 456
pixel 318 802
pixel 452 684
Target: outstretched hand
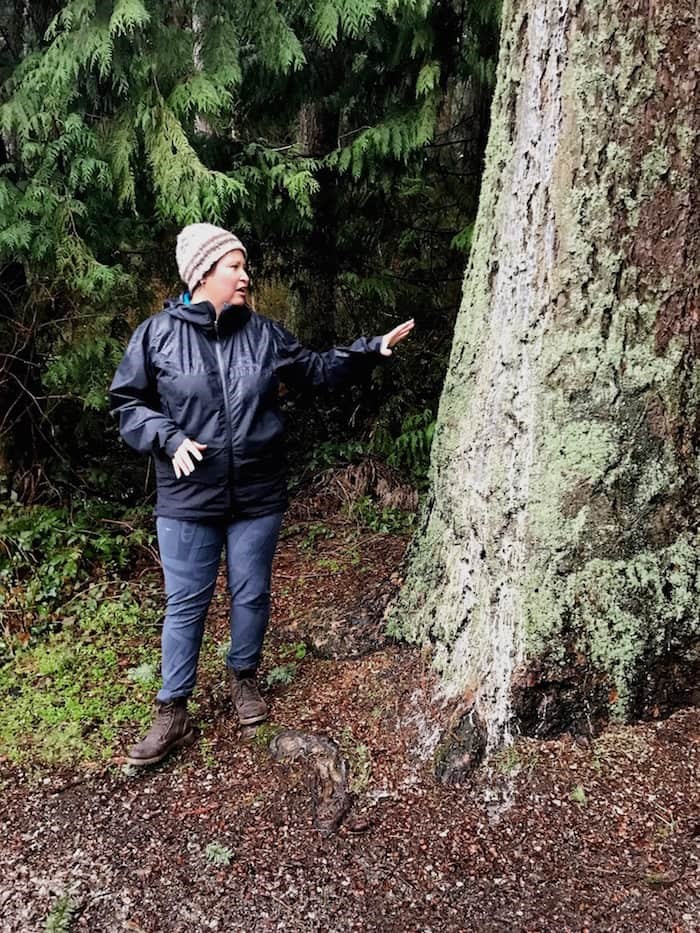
pixel 395 336
pixel 182 462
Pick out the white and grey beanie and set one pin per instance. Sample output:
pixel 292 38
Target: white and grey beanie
pixel 198 248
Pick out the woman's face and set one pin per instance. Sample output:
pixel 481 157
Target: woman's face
pixel 228 281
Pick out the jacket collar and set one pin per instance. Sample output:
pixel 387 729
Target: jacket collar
pixel 202 315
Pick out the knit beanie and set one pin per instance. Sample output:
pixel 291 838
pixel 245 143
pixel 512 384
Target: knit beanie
pixel 199 246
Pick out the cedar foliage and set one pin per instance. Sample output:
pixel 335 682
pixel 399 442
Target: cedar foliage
pixel 331 136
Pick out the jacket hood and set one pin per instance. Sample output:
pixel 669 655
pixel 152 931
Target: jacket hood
pixel 203 315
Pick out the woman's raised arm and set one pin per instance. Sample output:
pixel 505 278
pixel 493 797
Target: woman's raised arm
pixel 301 367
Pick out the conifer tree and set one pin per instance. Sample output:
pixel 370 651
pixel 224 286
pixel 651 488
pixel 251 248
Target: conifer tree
pixel 555 571
pixel 122 121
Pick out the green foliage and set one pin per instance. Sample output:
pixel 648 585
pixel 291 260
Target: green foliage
pixel 463 239
pixel 66 699
pixel 330 453
pixel 393 629
pixel 317 130
pixel 61 915
pixel 281 674
pixel 265 733
pixel 377 288
pixel 410 449
pixel 206 750
pixel 383 520
pixel 329 563
pixel 222 648
pixel 218 854
pixel 145 673
pixel 512 759
pixel 51 560
pixel 397 138
pixel 294 649
pixel 316 532
pixel 106 99
pixel 359 759
pixel 84 370
pixel 428 78
pixel 507 759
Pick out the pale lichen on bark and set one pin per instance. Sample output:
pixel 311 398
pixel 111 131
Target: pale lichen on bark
pixel 564 473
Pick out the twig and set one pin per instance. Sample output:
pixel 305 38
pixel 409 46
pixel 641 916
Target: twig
pixel 275 898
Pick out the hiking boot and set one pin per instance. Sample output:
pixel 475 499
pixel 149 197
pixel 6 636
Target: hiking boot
pixel 250 706
pixel 170 729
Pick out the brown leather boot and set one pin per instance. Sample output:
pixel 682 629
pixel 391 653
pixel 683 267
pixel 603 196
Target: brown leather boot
pixel 170 729
pixel 250 706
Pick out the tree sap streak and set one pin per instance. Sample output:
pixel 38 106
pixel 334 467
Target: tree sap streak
pixel 558 542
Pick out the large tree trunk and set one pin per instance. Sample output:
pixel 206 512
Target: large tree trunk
pixel 556 566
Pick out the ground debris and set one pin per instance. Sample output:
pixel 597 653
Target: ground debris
pixel 551 835
pixel 327 774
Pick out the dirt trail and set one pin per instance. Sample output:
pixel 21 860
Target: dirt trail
pixel 559 835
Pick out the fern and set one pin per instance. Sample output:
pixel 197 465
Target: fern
pixel 463 239
pixel 372 288
pixel 410 449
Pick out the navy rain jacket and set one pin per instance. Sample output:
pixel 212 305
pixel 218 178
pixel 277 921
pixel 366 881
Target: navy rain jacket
pixel 185 374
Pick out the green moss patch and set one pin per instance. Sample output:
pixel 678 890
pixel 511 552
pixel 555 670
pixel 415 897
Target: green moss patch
pixel 67 698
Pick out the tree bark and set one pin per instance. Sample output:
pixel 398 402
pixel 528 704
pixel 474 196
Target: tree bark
pixel 555 570
pixel 313 304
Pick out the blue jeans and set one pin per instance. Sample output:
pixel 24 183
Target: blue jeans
pixel 190 552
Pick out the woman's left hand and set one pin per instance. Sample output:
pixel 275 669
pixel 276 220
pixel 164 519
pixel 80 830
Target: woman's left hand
pixel 394 336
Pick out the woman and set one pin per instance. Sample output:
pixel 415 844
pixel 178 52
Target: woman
pixel 197 389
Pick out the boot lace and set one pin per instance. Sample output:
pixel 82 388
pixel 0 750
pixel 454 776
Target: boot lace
pixel 248 688
pixel 164 721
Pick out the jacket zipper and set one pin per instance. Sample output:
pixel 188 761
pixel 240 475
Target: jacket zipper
pixel 227 406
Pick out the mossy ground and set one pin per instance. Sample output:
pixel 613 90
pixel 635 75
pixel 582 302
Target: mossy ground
pixel 66 697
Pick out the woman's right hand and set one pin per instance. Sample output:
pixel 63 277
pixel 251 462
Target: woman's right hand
pixel 182 462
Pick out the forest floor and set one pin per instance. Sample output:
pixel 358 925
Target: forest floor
pixel 565 834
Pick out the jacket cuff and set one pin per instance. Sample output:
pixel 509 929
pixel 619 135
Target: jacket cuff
pixel 375 344
pixel 173 442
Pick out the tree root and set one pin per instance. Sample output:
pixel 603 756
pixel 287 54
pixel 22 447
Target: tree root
pixel 326 775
